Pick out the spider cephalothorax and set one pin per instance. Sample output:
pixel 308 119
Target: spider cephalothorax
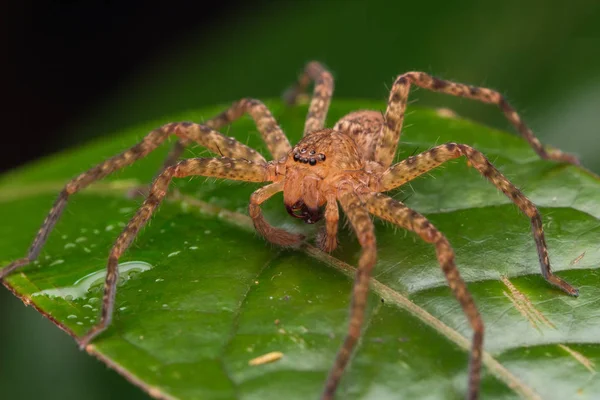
pixel 313 169
pixel 350 165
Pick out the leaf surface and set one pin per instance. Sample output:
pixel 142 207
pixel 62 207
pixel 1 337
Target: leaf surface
pixel 201 294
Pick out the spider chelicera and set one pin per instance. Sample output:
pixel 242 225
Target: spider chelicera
pixel 350 164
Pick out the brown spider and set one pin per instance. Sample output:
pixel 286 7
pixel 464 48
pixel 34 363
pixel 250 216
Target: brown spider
pixel 349 164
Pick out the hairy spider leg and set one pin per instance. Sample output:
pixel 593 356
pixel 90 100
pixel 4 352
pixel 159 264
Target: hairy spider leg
pixel 327 237
pixel 200 134
pixel 224 167
pixel 322 94
pixel 414 166
pixel 274 235
pixel 397 213
pixel 267 126
pixel 362 225
pixel 394 114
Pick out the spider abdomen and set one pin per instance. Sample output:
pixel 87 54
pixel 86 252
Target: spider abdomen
pixel 363 127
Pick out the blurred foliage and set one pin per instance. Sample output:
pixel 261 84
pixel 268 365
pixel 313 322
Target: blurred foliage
pixel 543 55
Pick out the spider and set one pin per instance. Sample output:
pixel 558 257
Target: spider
pixel 350 164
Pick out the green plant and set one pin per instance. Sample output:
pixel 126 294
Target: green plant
pixel 213 295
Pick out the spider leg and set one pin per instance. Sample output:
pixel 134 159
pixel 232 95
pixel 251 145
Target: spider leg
pixel 322 93
pixel 363 226
pixel 327 237
pixel 414 166
pixel 270 131
pixel 188 131
pixel 274 235
pixel 175 153
pixel 215 167
pixel 394 114
pixel 396 212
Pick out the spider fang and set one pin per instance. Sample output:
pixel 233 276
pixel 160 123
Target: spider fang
pixel 301 211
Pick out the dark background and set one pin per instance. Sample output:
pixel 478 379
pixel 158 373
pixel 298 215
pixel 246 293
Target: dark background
pixel 73 71
pixel 67 58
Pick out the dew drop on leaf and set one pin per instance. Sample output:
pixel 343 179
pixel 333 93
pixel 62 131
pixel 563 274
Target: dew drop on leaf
pixel 82 286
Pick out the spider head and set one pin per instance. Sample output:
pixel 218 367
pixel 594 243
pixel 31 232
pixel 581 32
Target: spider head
pixel 325 153
pixel 314 168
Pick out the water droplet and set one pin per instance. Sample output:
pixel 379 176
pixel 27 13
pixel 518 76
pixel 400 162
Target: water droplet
pixel 79 323
pixel 194 248
pixel 109 228
pixel 72 316
pixel 159 280
pixel 87 250
pixel 69 245
pixel 165 305
pixel 80 239
pixel 56 262
pixel 207 232
pixel 87 306
pixel 133 274
pixel 122 308
pixel 174 253
pixel 63 237
pixel 81 287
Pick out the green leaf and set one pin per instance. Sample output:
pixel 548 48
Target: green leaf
pixel 201 294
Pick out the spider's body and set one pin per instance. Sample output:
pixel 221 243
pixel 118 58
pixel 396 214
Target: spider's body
pixel 316 167
pixel 350 165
